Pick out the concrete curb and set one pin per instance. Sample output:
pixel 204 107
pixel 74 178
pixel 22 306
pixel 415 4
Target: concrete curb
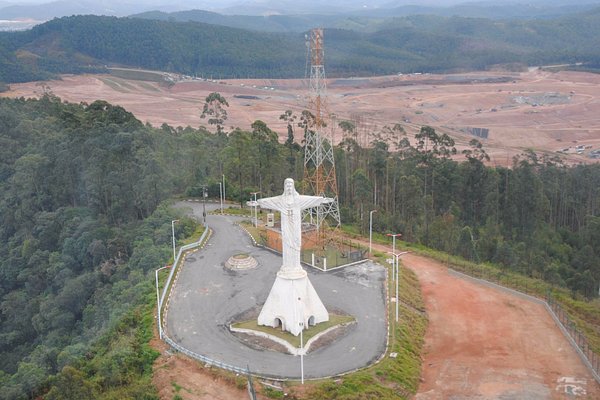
pixel 295 351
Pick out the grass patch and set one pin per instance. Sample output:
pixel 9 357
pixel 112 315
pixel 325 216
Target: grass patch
pixel 334 319
pixel 118 85
pixel 244 212
pixel 113 85
pixel 259 234
pixel 194 237
pixel 147 86
pixel 138 75
pixel 392 378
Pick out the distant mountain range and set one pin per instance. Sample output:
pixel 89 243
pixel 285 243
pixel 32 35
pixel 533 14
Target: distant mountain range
pixel 423 43
pixel 366 20
pixel 331 13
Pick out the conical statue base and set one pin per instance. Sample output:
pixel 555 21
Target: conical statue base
pixel 291 302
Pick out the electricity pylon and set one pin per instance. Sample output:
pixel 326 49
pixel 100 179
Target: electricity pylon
pixel 319 164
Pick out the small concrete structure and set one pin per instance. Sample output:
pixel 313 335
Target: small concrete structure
pixel 293 303
pixel 241 262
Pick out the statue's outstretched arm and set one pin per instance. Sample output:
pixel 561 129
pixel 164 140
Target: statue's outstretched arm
pixel 271 203
pixel 313 201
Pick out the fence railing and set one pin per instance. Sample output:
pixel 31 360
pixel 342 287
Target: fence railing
pixel 579 339
pixel 182 250
pixel 202 358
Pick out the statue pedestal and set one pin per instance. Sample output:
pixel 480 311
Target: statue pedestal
pixel 292 300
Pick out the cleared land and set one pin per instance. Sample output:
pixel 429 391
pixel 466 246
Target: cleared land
pixel 541 110
pixel 484 343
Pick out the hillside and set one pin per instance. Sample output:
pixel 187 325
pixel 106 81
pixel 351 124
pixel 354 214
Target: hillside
pixel 367 19
pixel 412 44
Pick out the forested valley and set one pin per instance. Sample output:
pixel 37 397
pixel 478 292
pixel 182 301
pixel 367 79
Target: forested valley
pixel 419 43
pixel 85 222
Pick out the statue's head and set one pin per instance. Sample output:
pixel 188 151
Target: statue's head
pixel 288 187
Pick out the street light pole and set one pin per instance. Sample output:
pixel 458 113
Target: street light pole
pixel 255 209
pixel 158 304
pixel 173 232
pixel 224 198
pixel 301 353
pixel 396 256
pixel 371 229
pixel 393 235
pixel 204 196
pixel 221 195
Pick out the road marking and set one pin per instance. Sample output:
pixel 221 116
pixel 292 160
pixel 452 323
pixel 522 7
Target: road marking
pixel 571 386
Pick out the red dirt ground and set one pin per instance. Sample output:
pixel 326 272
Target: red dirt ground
pixel 483 343
pixel 449 103
pixel 174 374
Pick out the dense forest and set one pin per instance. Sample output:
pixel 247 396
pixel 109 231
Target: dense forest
pixel 84 223
pixel 82 232
pixel 424 43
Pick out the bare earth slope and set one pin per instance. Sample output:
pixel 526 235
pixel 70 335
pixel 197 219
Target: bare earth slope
pixel 536 109
pixel 483 343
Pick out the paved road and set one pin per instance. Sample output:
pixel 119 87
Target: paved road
pixel 208 296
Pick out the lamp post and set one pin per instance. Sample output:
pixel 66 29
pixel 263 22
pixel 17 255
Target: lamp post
pixel 204 196
pixel 221 195
pixel 158 304
pixel 396 256
pixel 393 235
pixel 301 353
pixel 301 325
pixel 224 198
pixel 173 232
pixel 255 204
pixel 371 229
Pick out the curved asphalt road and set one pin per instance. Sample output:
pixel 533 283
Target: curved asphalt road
pixel 207 296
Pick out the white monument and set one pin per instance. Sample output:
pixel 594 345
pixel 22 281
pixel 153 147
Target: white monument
pixel 292 303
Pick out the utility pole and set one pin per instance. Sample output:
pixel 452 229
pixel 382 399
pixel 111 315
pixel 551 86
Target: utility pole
pixel 204 196
pixel 396 256
pixel 371 229
pixel 221 195
pixel 224 198
pixel 393 235
pixel 255 204
pixel 173 234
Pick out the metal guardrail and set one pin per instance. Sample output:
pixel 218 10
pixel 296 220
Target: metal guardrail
pixel 202 358
pixel 176 345
pixel 579 339
pixel 182 249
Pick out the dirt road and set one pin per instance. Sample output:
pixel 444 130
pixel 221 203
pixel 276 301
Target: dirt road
pixel 484 343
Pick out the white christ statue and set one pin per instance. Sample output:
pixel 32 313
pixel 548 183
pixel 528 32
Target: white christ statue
pixel 292 303
pixel 290 204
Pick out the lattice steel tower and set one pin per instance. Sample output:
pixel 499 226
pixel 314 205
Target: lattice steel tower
pixel 319 164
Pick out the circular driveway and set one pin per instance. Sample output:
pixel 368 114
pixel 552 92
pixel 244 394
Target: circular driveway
pixel 207 296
